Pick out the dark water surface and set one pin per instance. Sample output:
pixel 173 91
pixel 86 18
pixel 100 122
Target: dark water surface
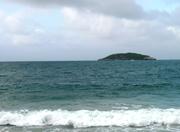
pixel 90 96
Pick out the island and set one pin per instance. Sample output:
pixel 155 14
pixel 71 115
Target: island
pixel 127 56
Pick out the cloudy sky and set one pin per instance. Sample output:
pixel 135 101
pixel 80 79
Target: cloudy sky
pixel 35 30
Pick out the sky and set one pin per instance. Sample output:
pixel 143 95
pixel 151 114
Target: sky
pixel 60 30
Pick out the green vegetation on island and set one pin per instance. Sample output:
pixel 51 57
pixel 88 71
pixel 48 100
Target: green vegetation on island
pixel 127 56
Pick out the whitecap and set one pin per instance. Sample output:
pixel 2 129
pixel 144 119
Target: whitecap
pixel 87 118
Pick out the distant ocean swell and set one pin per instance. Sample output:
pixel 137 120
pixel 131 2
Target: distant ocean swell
pixel 86 118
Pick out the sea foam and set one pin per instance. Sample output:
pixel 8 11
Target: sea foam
pixel 86 118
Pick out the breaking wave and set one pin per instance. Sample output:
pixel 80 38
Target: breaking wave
pixel 86 118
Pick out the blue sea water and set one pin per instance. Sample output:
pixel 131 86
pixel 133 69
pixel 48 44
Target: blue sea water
pixel 90 96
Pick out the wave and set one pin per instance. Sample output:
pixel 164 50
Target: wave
pixel 86 118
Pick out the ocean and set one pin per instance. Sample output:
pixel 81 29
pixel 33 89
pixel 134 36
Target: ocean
pixel 90 96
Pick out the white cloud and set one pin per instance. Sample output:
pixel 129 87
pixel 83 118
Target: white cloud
pixel 175 30
pixel 94 24
pixel 14 23
pixel 1 15
pixel 85 31
pixel 18 29
pixel 22 39
pixel 148 36
pixel 119 8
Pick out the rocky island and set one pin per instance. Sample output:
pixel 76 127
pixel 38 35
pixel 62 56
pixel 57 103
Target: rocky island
pixel 127 56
